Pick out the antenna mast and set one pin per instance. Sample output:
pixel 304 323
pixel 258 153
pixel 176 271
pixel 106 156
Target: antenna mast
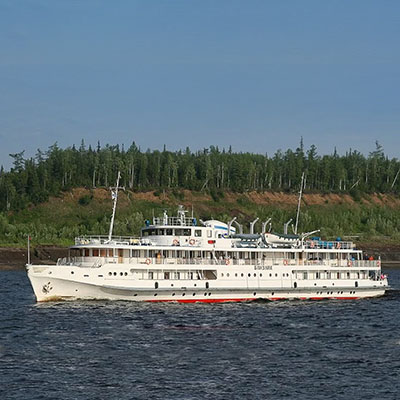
pixel 298 204
pixel 114 196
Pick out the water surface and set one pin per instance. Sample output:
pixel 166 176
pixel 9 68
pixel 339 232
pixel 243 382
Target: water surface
pixel 262 350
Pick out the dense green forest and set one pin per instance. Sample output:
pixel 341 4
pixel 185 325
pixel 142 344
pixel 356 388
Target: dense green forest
pixel 61 193
pixel 33 180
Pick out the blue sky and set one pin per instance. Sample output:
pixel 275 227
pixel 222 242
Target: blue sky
pixel 257 75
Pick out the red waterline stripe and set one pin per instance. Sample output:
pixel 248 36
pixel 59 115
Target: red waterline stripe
pixel 246 299
pixel 346 298
pixel 201 300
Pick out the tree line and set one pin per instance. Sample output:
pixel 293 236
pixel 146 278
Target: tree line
pixel 33 180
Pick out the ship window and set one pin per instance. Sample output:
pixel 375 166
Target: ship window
pixel 168 232
pixel 86 252
pixel 95 252
pixel 348 275
pixel 178 232
pixel 102 252
pixel 197 232
pixel 317 275
pixel 176 275
pixel 209 233
pixel 305 275
pixel 151 275
pixel 186 232
pixel 166 275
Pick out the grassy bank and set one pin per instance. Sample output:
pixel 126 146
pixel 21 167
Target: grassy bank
pixel 366 219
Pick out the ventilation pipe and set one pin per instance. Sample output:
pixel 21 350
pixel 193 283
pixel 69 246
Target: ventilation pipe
pixel 252 225
pixel 264 225
pixel 230 224
pixel 285 226
pixel 239 227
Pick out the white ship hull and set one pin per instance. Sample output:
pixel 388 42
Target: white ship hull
pixel 52 283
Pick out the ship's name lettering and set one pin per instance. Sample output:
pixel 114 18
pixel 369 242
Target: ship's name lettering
pixel 262 267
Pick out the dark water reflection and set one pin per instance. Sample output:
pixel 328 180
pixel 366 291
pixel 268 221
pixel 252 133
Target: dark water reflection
pixel 262 350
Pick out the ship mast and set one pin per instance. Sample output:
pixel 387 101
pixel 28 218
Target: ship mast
pixel 298 204
pixel 114 196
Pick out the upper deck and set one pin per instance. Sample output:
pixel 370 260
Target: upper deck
pixel 185 233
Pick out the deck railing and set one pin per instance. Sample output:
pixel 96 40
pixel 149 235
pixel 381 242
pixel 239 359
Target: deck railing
pixel 147 261
pixel 328 245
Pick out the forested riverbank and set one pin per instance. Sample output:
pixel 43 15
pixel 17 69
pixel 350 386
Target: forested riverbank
pixel 64 193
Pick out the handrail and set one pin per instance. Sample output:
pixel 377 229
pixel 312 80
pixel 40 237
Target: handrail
pixel 270 262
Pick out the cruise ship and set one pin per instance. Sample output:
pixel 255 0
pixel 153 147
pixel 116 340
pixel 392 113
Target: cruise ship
pixel 182 259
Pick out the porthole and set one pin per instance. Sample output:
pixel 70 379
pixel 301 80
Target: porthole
pixel 249 275
pixel 183 294
pixel 194 294
pixel 173 294
pixel 155 294
pixel 270 275
pixel 135 294
pixel 209 294
pixel 115 274
pixel 121 273
pixel 276 274
pixel 222 274
pixel 227 274
pixel 272 293
pixel 205 294
pixel 126 274
pixel 255 275
pixel 72 272
pixel 260 275
pixel 242 275
pixel 235 275
pixel 254 293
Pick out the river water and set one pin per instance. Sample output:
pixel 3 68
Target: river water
pixel 262 350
